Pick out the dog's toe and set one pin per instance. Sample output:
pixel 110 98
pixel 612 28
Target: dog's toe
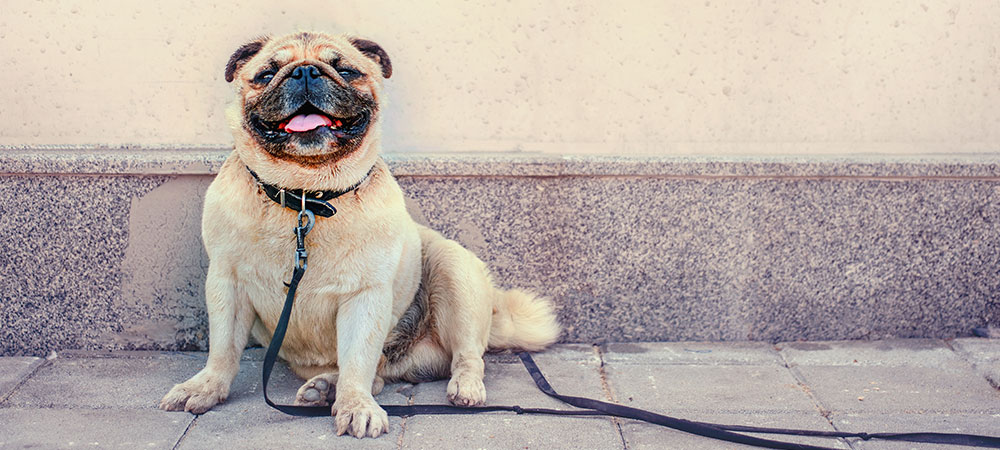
pixel 310 395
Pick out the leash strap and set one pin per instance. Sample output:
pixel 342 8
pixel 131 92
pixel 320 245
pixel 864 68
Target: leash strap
pixel 588 407
pixel 301 263
pixel 711 429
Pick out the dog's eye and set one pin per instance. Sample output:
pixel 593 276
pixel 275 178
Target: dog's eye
pixel 264 77
pixel 348 73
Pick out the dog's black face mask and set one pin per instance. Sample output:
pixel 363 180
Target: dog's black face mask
pixel 307 113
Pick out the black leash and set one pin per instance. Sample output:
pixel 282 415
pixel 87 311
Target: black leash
pixel 301 259
pixel 589 407
pixel 709 429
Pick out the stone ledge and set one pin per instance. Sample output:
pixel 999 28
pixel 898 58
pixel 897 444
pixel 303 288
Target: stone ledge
pixel 207 160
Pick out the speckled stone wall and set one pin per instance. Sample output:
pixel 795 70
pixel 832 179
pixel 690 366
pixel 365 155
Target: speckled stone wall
pixel 88 262
pixel 678 250
pixel 736 259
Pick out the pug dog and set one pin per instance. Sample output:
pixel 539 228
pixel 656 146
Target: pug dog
pixel 384 298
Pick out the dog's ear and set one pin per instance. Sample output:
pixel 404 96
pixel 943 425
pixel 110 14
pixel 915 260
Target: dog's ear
pixel 375 52
pixel 241 55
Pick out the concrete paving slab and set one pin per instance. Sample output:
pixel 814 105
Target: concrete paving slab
pixel 642 435
pixel 570 370
pixel 126 354
pixel 254 354
pixel 710 353
pixel 497 430
pixel 104 382
pixel 568 352
pixel 273 429
pixel 722 389
pixel 13 370
pixel 889 353
pixel 878 389
pixel 104 428
pixel 982 424
pixel 86 397
pixel 983 354
pixel 137 380
pixel 588 353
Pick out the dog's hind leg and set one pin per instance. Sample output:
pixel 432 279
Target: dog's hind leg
pixel 229 322
pixel 461 301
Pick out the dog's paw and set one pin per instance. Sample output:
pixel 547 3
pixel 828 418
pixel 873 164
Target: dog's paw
pixel 357 414
pixel 318 391
pixel 194 396
pixel 466 389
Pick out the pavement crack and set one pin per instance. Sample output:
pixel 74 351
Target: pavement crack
pixel 970 362
pixel 185 432
pixel 825 412
pixel 402 422
pixel 25 378
pixel 608 394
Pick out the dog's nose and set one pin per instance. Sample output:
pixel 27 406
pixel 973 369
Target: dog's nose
pixel 302 71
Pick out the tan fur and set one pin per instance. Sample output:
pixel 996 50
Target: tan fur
pixel 365 266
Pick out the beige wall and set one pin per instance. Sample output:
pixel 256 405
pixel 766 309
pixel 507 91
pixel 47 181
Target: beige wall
pixel 627 77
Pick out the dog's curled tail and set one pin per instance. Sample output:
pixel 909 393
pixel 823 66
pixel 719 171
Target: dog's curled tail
pixel 523 321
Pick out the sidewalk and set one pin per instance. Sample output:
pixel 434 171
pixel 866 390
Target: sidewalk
pixel 90 399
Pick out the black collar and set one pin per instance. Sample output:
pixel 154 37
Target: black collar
pixel 315 201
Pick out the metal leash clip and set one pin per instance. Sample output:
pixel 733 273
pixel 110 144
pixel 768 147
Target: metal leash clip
pixel 301 255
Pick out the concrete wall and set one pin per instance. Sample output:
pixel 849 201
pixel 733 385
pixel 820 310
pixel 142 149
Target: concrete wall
pixel 627 77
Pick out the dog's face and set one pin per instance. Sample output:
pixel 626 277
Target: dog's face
pixel 308 98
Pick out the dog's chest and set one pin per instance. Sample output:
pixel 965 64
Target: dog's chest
pixel 339 268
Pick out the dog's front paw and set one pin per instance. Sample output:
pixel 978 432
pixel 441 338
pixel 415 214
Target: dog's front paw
pixel 358 414
pixel 466 389
pixel 196 396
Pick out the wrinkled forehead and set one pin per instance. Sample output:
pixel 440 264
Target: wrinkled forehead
pixel 308 46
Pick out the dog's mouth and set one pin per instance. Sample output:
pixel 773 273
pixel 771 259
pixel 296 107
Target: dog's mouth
pixel 310 120
pixel 313 127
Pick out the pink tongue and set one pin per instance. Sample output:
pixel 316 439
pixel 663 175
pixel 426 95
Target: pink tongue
pixel 302 122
